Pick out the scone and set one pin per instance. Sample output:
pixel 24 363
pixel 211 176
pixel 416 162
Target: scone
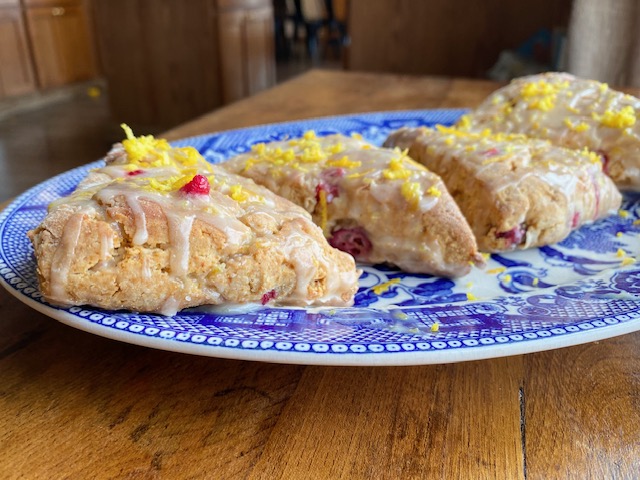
pixel 377 204
pixel 514 191
pixel 159 229
pixel 569 112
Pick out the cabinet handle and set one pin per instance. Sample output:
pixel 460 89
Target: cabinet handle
pixel 57 11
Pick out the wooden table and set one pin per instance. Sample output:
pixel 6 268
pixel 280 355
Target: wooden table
pixel 74 405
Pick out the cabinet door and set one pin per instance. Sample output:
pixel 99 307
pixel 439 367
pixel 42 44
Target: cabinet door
pixel 232 71
pixel 260 54
pixel 246 52
pixel 61 45
pixel 16 73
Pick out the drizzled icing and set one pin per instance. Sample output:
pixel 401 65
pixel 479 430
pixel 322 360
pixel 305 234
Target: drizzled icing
pixel 63 257
pixel 144 175
pixel 359 163
pixel 345 182
pixel 142 235
pixel 498 161
pixel 570 112
pixel 179 234
pixel 502 160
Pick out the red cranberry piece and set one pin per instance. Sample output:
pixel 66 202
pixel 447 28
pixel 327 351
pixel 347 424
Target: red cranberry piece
pixel 333 173
pixel 351 240
pixel 269 296
pixel 605 160
pixel 513 236
pixel 492 152
pixel 575 220
pixel 328 183
pixel 133 173
pixel 331 191
pixel 198 185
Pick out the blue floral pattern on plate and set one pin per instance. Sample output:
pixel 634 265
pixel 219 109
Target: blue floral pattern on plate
pixel 583 289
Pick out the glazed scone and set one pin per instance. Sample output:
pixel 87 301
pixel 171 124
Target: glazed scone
pixel 159 229
pixel 570 112
pixel 377 204
pixel 514 191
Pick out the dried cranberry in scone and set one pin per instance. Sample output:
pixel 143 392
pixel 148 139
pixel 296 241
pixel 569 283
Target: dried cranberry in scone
pixel 267 297
pixel 328 183
pixel 605 161
pixel 492 152
pixel 502 180
pixel 376 204
pixel 569 112
pixel 330 191
pixel 514 236
pixel 575 220
pixel 333 174
pixel 183 234
pixel 198 185
pixel 352 240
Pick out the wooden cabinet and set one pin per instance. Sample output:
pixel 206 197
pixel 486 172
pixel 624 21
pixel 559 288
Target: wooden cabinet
pixel 168 61
pixel 444 37
pixel 44 44
pixel 61 42
pixel 247 57
pixel 16 70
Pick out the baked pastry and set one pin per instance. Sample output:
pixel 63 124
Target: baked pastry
pixel 159 229
pixel 377 204
pixel 570 112
pixel 514 191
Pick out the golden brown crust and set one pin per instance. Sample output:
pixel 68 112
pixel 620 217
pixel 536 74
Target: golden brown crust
pixel 87 251
pixel 369 192
pixel 570 112
pixel 525 193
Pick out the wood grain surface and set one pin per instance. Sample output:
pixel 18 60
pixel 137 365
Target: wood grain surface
pixel 166 63
pixel 74 405
pixel 462 38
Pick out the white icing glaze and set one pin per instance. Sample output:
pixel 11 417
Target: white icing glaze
pixel 511 162
pixel 179 233
pixel 307 266
pixel 63 257
pixel 145 268
pixel 171 306
pixel 106 247
pixel 141 234
pixel 370 183
pixel 574 102
pixel 150 192
pixel 497 162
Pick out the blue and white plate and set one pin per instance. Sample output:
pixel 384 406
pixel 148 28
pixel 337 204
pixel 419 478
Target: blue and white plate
pixel 584 289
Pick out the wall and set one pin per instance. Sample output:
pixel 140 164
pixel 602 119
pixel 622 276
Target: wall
pixel 449 37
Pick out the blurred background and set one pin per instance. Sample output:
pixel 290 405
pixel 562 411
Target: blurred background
pixel 72 70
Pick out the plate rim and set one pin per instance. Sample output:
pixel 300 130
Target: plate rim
pixel 386 358
pixel 368 359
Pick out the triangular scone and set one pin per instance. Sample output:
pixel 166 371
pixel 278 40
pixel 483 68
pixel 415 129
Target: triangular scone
pixel 377 204
pixel 570 112
pixel 516 192
pixel 159 229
